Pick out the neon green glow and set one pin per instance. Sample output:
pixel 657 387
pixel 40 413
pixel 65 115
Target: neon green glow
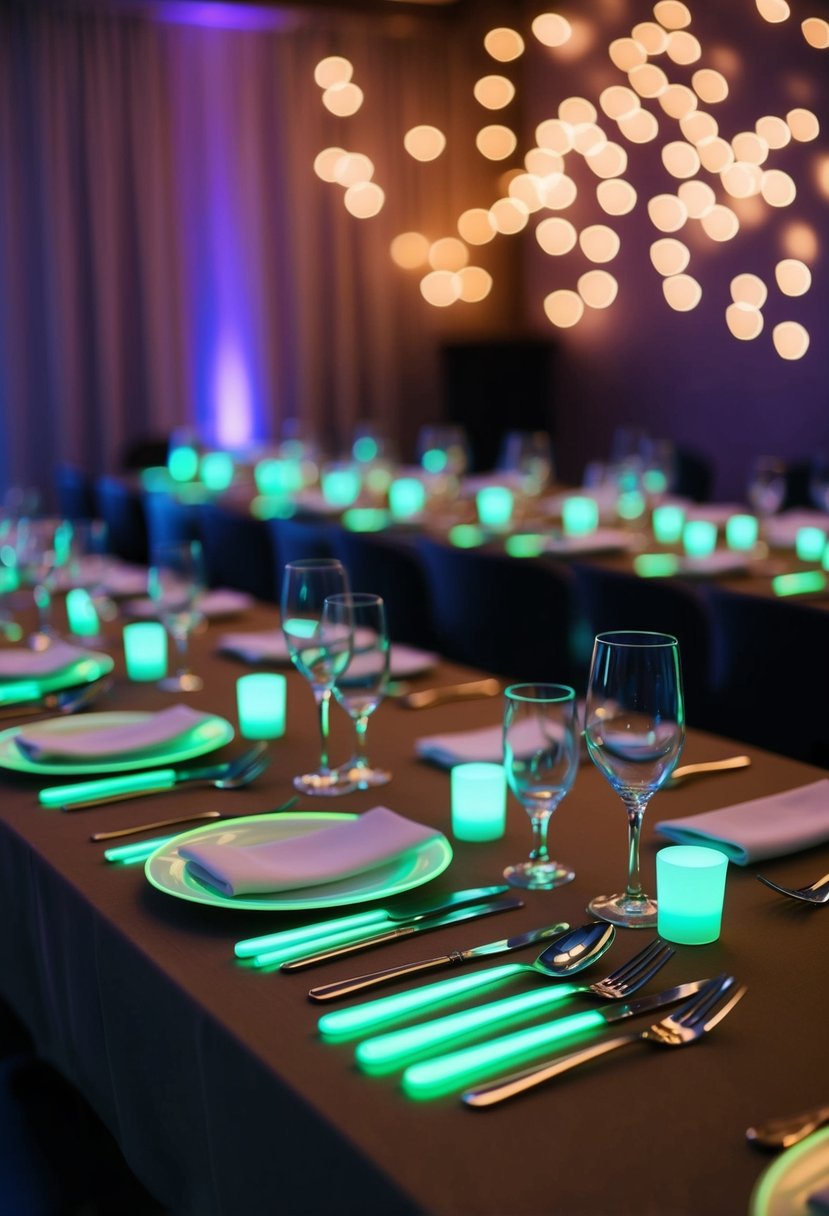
pixel 655 565
pixel 250 946
pixel 699 537
pixel 798 584
pixel 690 891
pixel 60 795
pixel 301 626
pixel 434 461
pixel 466 536
pixel 809 544
pixel 525 544
pixel 260 699
pixel 340 487
pixel 145 650
pixel 216 470
pixel 431 1078
pixel 579 515
pixel 631 505
pixel 81 614
pixel 655 481
pixel 19 691
pixel 494 505
pixel 365 519
pixel 350 1023
pixel 265 507
pixel 365 449
pixel 128 854
pixel 400 1047
pixel 378 479
pixel 407 497
pixel 283 953
pixel 183 463
pixel 9 578
pixel 479 801
pixel 156 477
pixel 741 531
pixel 277 477
pixel 667 522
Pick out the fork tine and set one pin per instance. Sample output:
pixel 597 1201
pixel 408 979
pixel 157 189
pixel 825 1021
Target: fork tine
pixel 650 958
pixel 695 1010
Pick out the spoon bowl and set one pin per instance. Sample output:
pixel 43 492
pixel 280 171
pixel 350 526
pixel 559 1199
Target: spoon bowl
pixel 783 1132
pixel 575 950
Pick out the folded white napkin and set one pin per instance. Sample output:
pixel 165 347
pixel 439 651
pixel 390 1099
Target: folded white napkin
pixel 721 561
pixel 781 530
pixel 376 837
pixel 268 645
pixel 163 727
pixel 715 512
pixel 764 827
pixel 218 602
pixel 29 664
pixel 472 746
pixel 601 540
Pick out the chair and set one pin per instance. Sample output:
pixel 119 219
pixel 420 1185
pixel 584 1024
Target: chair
pixel 615 599
pixel 294 539
pixel 237 552
pixel 122 507
pixel 771 666
pixel 693 475
pixel 513 617
pixel 75 491
pixel 169 520
pixel 393 569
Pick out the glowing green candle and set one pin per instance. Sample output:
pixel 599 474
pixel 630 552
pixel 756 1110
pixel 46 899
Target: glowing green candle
pixel 495 505
pixel 365 519
pixel 631 504
pixel 183 463
pixel 798 584
pixel 667 522
pixel 260 700
pixel 216 469
pixel 466 536
pixel 655 565
pixel 277 477
pixel 690 885
pixel 741 531
pixel 145 650
pixel 81 614
pixel 431 1078
pixel 407 497
pixel 579 515
pixel 479 801
pixel 525 544
pixel 699 537
pixel 340 485
pixel 809 544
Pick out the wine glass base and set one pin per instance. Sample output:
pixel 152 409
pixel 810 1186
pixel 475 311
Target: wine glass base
pixel 324 785
pixel 363 776
pixel 539 875
pixel 625 911
pixel 186 681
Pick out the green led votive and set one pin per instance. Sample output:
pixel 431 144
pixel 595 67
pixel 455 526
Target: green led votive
pixel 183 463
pixel 466 536
pixel 145 650
pixel 690 888
pixel 434 460
pixel 699 537
pixel 525 544
pixel 807 583
pixel 407 497
pixel 278 477
pixel 667 522
pixel 810 543
pixel 81 613
pixel 631 504
pixel 655 565
pixel 741 531
pixel 579 515
pixel 260 701
pixel 479 801
pixel 340 485
pixel 216 470
pixel 495 505
pixel 365 519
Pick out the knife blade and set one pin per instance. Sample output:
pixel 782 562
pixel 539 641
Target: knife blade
pixel 443 1073
pixel 379 939
pixel 329 992
pixel 349 927
pixel 400 1047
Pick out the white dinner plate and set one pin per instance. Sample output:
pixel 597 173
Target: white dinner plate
pixel 784 1187
pixel 205 737
pixel 168 872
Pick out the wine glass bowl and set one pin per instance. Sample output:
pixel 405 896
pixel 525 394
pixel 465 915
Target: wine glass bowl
pixel 361 685
pixel 634 733
pixel 174 583
pixel 541 756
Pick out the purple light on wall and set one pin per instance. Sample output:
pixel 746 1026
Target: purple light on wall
pixel 223 16
pixel 232 411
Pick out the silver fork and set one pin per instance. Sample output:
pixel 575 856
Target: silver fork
pixel 816 893
pixel 395 1045
pixel 685 1025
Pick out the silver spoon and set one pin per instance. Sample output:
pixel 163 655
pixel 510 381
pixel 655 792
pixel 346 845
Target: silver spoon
pixel 707 766
pixel 167 823
pixel 786 1130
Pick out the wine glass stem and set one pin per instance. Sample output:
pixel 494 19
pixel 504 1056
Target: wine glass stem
pixel 43 600
pixel 636 810
pixel 360 728
pixel 180 639
pixel 323 699
pixel 539 850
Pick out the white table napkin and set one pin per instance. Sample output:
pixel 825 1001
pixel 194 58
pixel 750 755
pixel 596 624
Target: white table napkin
pixel 764 827
pixel 781 530
pixel 720 562
pixel 268 645
pixel 376 837
pixel 155 729
pixel 17 664
pixel 218 602
pixel 601 540
pixel 484 745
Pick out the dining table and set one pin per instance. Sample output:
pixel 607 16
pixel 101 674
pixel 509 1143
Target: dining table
pixel 213 1077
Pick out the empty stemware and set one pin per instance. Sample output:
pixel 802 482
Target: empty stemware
pixel 361 685
pixel 41 546
pixel 175 582
pixel 634 732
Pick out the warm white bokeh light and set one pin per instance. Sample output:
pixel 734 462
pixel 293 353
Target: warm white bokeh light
pixel 791 340
pixel 744 321
pixel 333 70
pixel 821 174
pixel 475 226
pixel 678 101
pixel 715 154
pixel 599 243
pixel 352 168
pixel 598 288
pixel 529 189
pixel 777 188
pixel 559 192
pixel 589 139
pixel 816 32
pixel 509 215
pixel 448 253
pixel 343 99
pixel 773 10
pixel 683 48
pixel 616 196
pixel 698 126
pixel 476 284
pixel 556 236
pixel 610 161
pixel 494 92
pixel 680 159
pixel 749 289
pixel 552 30
pixel 577 110
pixel 775 131
pixel 667 212
pixel 669 256
pixel 410 250
pixel 364 200
pixel 799 240
pixel 742 180
pixel 564 308
pixel 698 197
pixel 541 162
pixel 672 14
pixel 721 223
pixel 555 135
pixel 750 147
pixel 794 278
pixel 424 142
pixel 504 44
pixel 682 292
pixel 619 102
pixel 496 142
pixel 441 288
pixel 627 53
pixel 325 163
pixel 653 37
pixel 648 80
pixel 640 128
pixel 710 86
pixel 803 125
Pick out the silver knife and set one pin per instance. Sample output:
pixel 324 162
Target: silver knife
pixel 423 926
pixel 329 992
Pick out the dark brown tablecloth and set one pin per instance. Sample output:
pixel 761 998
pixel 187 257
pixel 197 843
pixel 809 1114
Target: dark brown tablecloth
pixel 224 1099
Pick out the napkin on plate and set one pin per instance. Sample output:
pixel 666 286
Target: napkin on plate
pixel 164 727
pixel 765 827
pixel 215 603
pixel 268 645
pixel 27 664
pixel 376 837
pixel 600 540
pixel 720 562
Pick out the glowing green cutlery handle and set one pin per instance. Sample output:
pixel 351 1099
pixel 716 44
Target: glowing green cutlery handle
pixel 108 787
pixel 250 946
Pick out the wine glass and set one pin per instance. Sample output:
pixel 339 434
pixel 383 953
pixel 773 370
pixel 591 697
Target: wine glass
pixel 634 732
pixel 175 582
pixel 528 457
pixel 41 546
pixel 819 479
pixel 766 486
pixel 360 687
pixel 541 758
pixel 319 652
